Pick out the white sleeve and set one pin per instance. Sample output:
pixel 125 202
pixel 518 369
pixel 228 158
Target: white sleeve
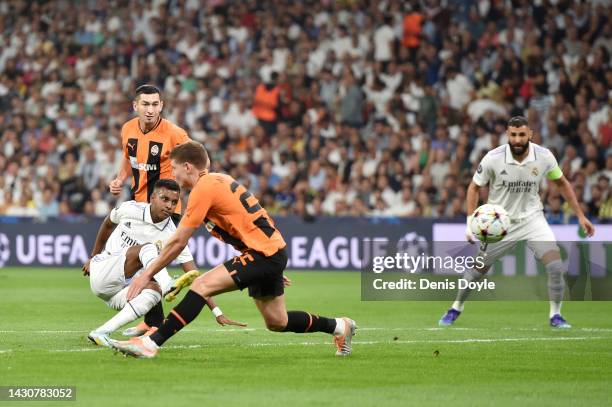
pixel 483 174
pixel 552 170
pixel 128 210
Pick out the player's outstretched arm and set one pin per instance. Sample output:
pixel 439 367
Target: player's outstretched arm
pixel 221 319
pixel 171 250
pixel 106 229
pixel 568 194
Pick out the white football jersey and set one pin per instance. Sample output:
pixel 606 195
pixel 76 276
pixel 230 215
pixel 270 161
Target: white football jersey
pixel 135 226
pixel 514 185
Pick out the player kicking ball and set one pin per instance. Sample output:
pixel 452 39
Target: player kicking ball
pixel 230 213
pixel 513 173
pixel 127 242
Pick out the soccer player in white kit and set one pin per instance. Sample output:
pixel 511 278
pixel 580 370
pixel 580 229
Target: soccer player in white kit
pixel 128 240
pixel 513 173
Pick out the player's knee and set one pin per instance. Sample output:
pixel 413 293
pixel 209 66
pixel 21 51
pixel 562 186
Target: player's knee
pixel 133 253
pixel 555 267
pixel 275 327
pixel 276 323
pixel 200 286
pixel 482 270
pixel 153 285
pixel 551 257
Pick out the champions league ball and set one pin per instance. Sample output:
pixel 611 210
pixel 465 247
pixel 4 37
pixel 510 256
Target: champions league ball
pixel 490 223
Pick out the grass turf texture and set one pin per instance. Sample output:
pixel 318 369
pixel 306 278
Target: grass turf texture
pixel 500 353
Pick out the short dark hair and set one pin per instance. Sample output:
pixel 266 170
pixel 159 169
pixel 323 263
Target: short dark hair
pixel 167 183
pixel 190 152
pixel 147 90
pixel 517 121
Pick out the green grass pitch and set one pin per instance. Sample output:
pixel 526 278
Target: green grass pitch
pixel 499 353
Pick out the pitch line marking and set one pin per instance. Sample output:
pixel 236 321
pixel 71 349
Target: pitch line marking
pixel 84 332
pixel 363 329
pixel 405 342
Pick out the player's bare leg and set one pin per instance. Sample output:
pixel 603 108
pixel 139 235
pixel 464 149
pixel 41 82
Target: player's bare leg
pixel 278 319
pixel 216 281
pixel 155 317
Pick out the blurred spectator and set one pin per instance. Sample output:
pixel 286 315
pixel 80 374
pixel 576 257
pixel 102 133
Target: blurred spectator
pixel 24 207
pixel 267 104
pixel 73 191
pixel 100 206
pixel 351 101
pixel 384 41
pixel 554 213
pixel 363 107
pixel 49 206
pixel 89 169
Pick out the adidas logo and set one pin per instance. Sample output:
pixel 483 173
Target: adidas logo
pixel 128 225
pixel 504 172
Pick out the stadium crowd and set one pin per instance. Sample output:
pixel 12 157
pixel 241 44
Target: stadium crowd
pixel 378 108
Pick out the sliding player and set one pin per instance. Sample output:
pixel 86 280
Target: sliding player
pixel 231 213
pixel 128 241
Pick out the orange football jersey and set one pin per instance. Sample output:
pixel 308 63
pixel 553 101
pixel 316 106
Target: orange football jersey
pixel 148 154
pixel 232 214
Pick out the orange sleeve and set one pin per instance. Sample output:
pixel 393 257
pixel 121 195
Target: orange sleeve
pixel 124 141
pixel 200 200
pixel 180 136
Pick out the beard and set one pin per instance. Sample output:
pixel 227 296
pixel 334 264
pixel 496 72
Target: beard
pixel 519 149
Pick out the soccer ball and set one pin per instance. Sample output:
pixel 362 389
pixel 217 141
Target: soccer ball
pixel 490 223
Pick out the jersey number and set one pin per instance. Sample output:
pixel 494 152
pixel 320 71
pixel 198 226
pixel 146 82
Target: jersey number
pixel 261 222
pixel 244 199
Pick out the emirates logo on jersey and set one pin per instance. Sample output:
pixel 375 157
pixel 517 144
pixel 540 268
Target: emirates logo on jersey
pixel 519 186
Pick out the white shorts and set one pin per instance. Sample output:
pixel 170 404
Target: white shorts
pixel 106 275
pixel 107 278
pixel 534 230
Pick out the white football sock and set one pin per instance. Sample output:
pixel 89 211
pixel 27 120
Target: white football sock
pixel 340 326
pixel 469 275
pixel 164 280
pixel 556 286
pixel 555 308
pixel 147 254
pixel 133 310
pixel 148 342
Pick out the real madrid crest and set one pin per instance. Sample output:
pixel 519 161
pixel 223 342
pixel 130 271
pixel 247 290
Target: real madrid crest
pixel 154 150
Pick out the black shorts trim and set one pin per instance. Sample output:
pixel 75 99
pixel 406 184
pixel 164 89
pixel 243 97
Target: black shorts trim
pixel 262 275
